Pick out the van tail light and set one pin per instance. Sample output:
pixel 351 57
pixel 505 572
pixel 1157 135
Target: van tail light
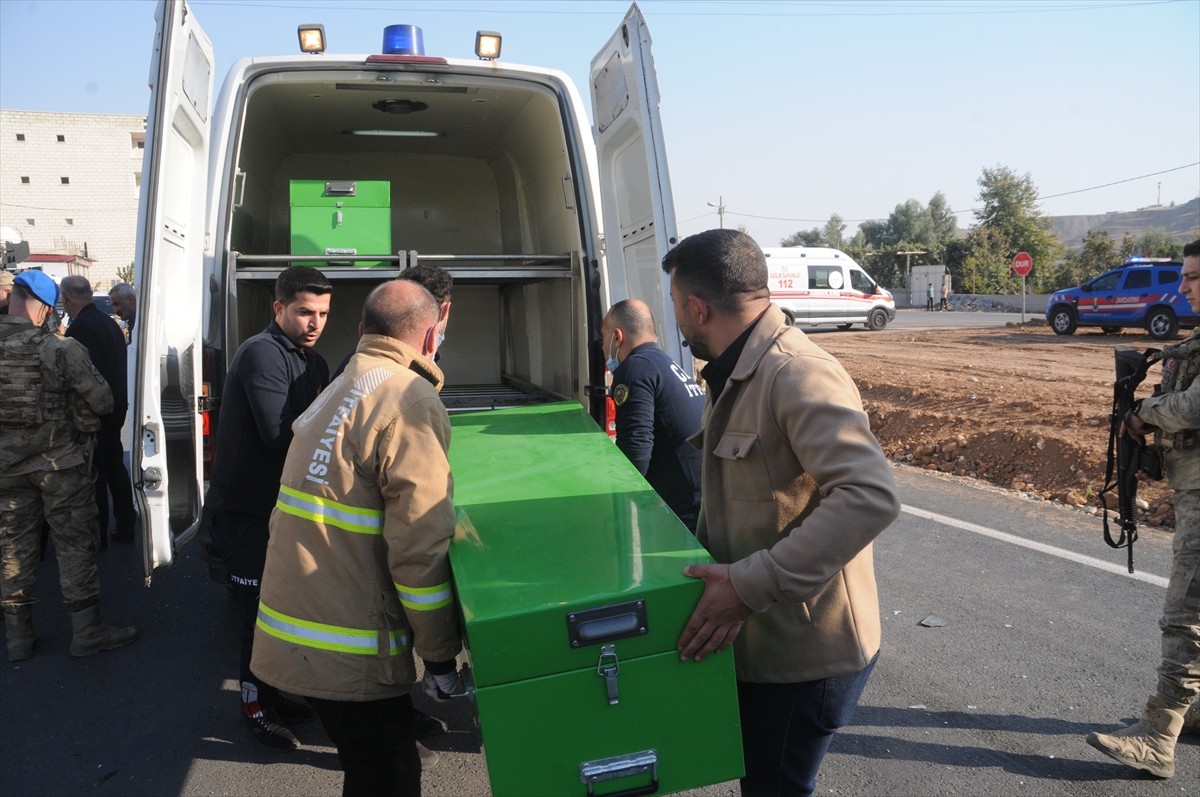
pixel 207 409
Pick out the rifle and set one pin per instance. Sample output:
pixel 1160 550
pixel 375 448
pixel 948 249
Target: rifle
pixel 1128 454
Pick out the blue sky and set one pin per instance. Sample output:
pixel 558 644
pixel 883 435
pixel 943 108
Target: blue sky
pixel 786 111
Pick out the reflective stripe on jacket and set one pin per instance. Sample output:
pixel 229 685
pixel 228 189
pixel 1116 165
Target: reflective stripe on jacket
pixel 357 576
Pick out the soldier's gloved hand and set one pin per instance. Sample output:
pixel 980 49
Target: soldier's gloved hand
pixel 446 686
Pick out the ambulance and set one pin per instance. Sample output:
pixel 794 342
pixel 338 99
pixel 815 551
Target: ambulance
pixel 818 285
pixel 388 159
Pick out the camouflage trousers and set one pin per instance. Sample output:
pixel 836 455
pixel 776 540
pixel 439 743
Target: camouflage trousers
pixel 66 500
pixel 1179 672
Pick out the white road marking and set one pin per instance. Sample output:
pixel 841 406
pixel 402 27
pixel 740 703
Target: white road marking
pixel 1090 561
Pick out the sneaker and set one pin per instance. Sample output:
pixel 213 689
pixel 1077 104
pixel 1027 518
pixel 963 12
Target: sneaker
pixel 293 712
pixel 429 758
pixel 267 728
pixel 425 726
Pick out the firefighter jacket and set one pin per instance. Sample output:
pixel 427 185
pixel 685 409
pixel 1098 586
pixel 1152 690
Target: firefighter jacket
pixel 51 397
pixel 795 488
pixel 357 574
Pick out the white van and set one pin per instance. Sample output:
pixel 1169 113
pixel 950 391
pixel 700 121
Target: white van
pixel 488 169
pixel 817 285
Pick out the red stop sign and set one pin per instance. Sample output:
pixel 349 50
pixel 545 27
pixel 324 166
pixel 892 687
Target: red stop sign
pixel 1022 264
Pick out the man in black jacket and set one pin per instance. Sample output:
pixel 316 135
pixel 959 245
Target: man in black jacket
pixel 106 346
pixel 273 378
pixel 658 408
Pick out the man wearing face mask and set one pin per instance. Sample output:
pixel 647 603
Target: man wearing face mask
pixel 658 408
pixel 357 573
pixel 438 282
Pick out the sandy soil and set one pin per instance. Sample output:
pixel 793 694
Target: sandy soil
pixel 1019 407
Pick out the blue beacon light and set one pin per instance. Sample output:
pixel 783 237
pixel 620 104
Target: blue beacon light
pixel 403 40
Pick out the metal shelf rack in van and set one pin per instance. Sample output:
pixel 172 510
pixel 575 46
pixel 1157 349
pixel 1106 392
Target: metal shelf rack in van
pixel 493 268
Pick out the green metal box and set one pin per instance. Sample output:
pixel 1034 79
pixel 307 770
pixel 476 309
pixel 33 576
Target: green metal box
pixel 568 567
pixel 341 217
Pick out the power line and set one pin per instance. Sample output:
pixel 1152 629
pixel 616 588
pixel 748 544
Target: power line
pixel 876 8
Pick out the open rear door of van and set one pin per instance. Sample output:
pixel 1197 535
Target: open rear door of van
pixel 635 186
pixel 169 277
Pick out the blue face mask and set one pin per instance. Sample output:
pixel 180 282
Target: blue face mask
pixel 612 362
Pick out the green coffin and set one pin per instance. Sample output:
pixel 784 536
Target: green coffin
pixel 568 567
pixel 341 217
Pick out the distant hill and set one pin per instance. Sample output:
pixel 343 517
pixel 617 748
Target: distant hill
pixel 1182 222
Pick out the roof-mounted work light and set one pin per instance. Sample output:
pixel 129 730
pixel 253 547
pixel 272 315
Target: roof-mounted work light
pixel 403 40
pixel 312 38
pixel 487 45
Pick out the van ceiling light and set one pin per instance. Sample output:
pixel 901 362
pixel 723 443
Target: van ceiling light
pixel 399 107
pixel 403 40
pixel 487 44
pixel 312 38
pixel 396 133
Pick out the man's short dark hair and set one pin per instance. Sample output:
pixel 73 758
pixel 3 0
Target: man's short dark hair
pixel 1192 249
pixel 633 318
pixel 398 317
pixel 435 279
pixel 723 267
pixel 300 279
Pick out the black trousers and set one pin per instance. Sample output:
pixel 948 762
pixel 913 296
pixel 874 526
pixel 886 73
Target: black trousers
pixel 241 543
pixel 787 729
pixel 113 477
pixel 375 745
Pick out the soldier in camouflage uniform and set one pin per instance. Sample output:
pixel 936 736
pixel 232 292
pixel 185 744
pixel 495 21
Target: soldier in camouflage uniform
pixel 1173 414
pixel 50 401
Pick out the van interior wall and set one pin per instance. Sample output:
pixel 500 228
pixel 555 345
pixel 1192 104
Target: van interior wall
pixel 513 196
pixel 511 333
pixel 510 194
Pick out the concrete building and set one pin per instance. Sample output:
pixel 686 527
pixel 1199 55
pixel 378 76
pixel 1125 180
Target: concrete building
pixel 69 185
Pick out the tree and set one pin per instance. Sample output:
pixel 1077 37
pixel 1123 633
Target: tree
pixel 1009 222
pixel 1099 254
pixel 1156 242
pixel 811 237
pixel 125 273
pixel 945 223
pixel 833 231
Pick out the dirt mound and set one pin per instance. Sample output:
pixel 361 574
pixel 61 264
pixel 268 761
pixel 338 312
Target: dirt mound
pixel 1018 407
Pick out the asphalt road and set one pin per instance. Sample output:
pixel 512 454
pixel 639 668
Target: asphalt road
pixel 924 319
pixel 1036 650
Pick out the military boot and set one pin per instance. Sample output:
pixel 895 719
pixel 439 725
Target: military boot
pixel 1148 744
pixel 91 636
pixel 20 638
pixel 1191 720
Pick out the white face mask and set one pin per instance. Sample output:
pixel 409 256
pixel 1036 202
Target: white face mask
pixel 612 362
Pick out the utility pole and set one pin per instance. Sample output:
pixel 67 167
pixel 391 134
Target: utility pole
pixel 720 206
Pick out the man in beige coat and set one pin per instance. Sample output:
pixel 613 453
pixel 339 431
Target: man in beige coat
pixel 794 488
pixel 357 574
